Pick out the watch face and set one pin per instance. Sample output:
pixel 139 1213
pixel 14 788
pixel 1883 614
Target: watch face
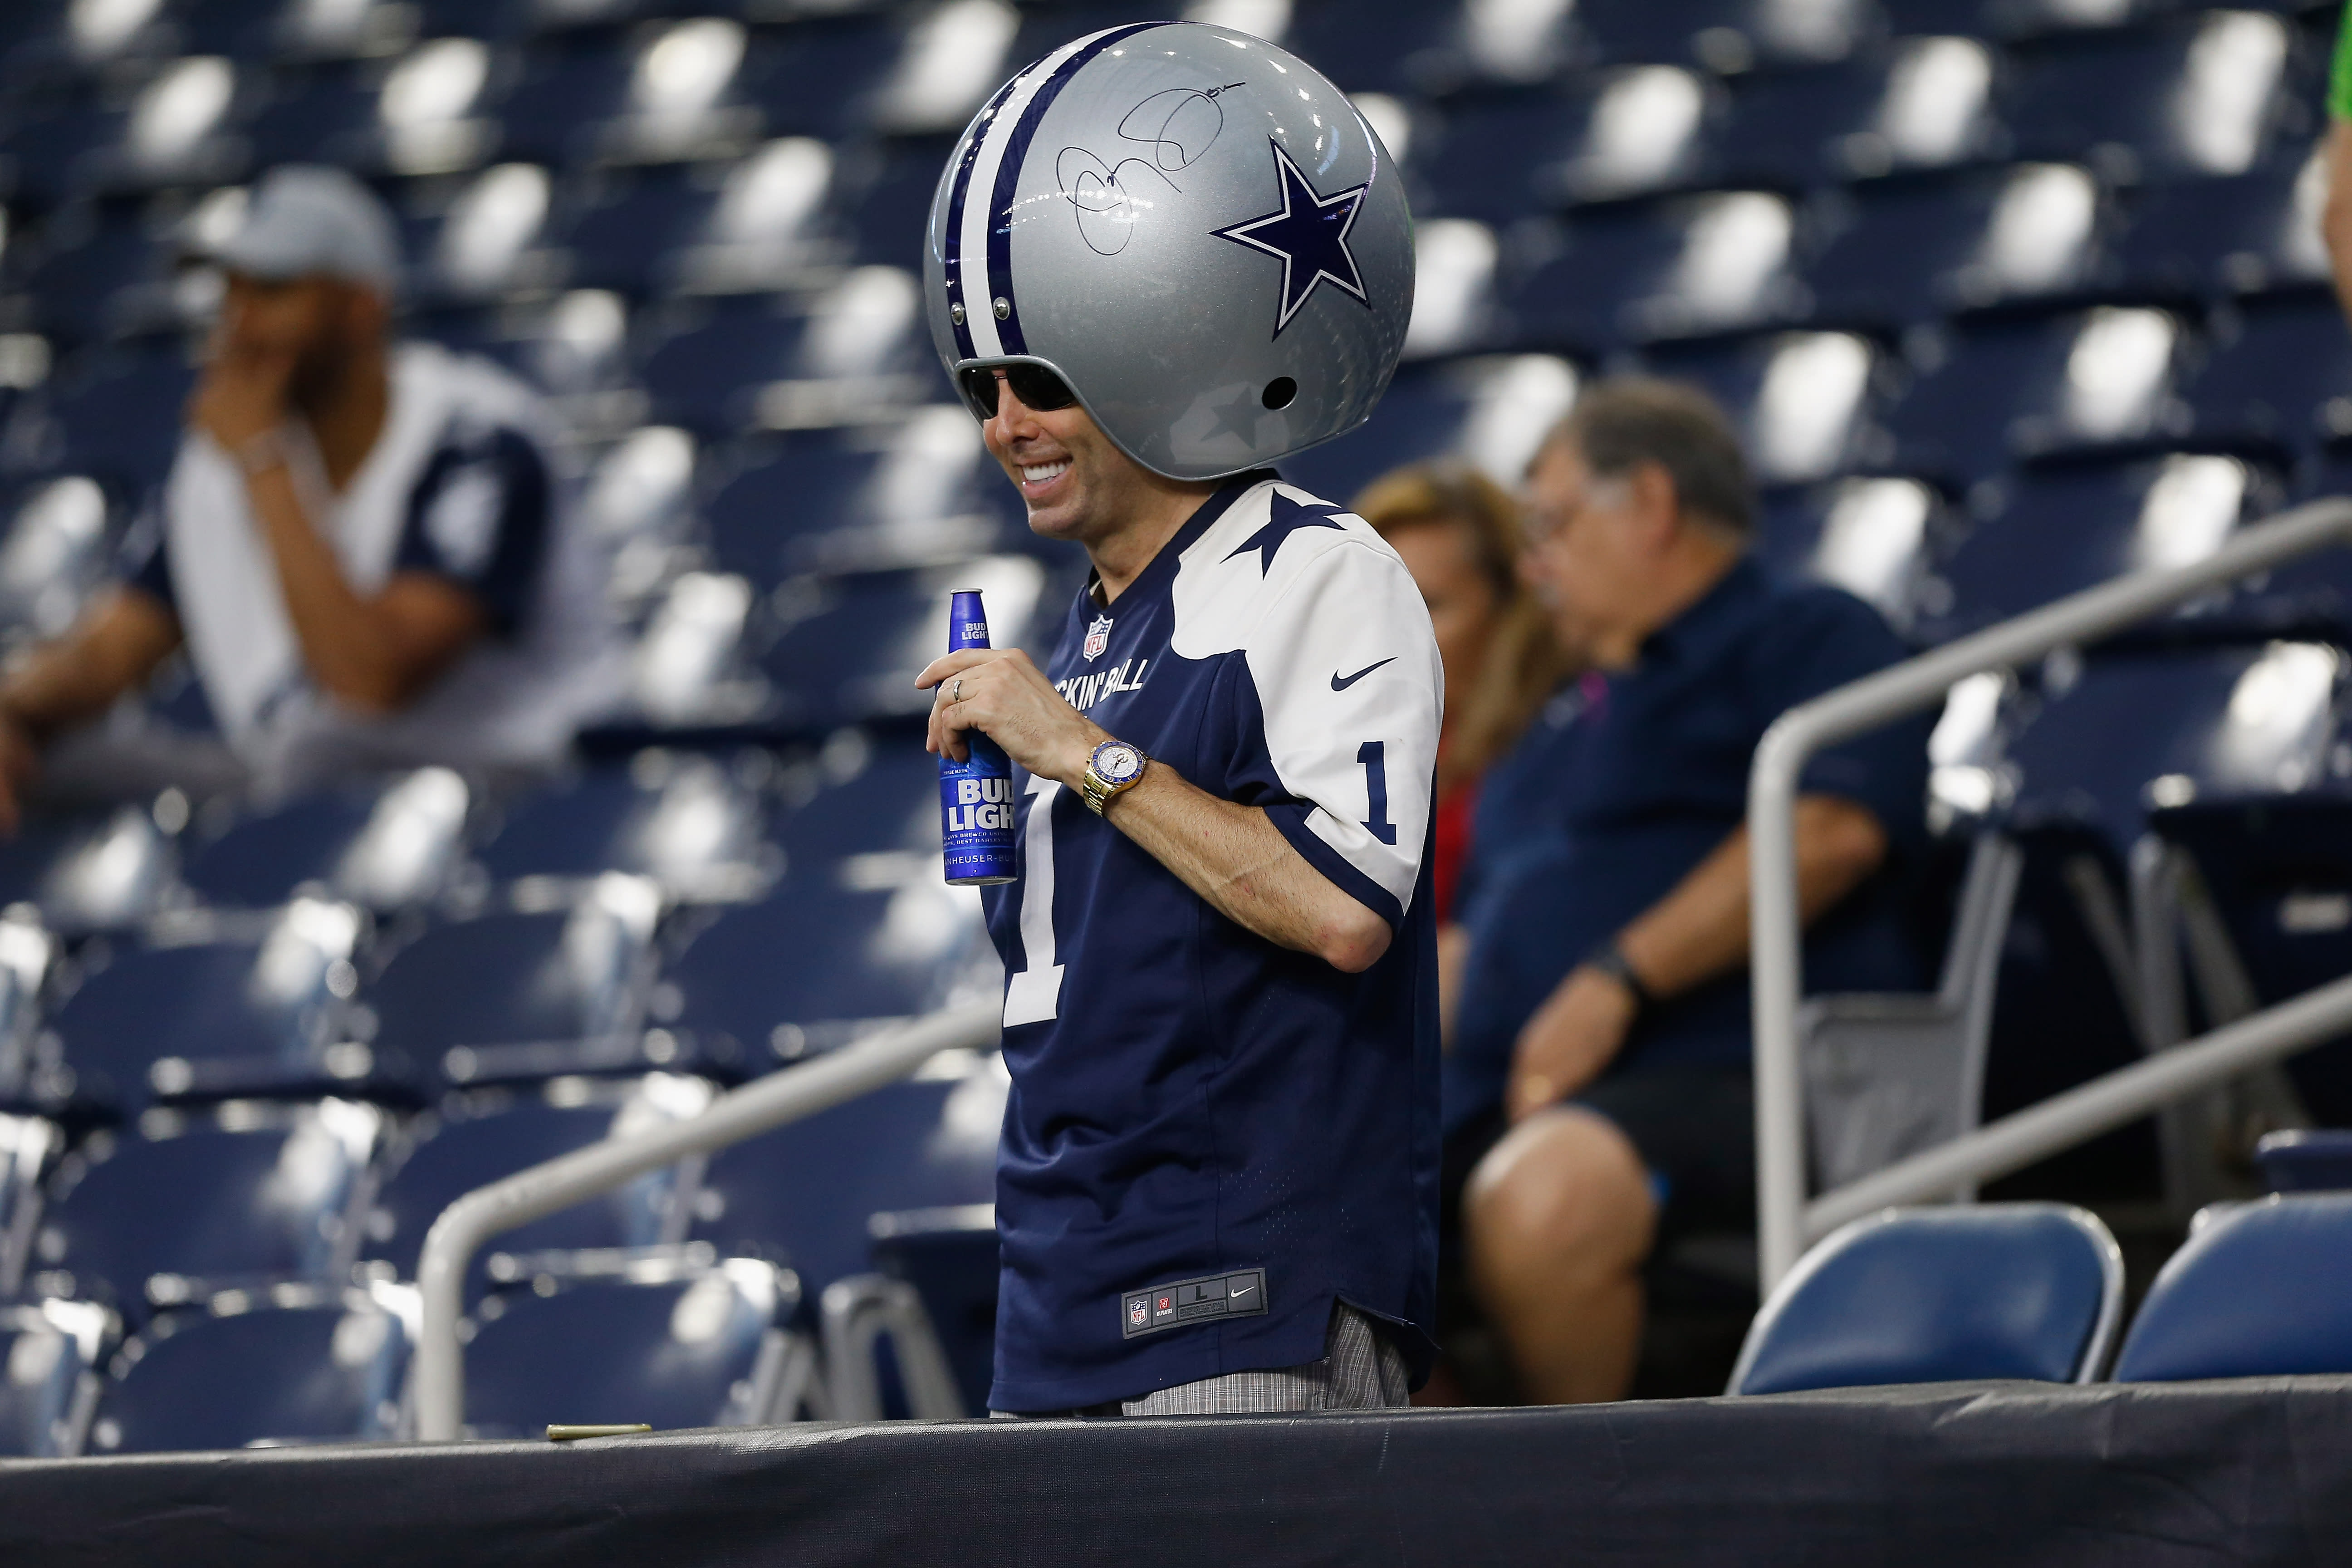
pixel 1118 763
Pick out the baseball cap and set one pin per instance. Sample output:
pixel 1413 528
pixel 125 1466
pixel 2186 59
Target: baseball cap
pixel 307 221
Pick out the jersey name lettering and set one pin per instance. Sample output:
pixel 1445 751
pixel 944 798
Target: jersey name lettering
pixel 1083 691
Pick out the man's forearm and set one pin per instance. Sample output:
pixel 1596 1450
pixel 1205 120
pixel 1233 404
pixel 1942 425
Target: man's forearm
pixel 113 648
pixel 1235 857
pixel 1700 929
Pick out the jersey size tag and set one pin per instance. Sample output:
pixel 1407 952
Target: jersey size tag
pixel 1241 1294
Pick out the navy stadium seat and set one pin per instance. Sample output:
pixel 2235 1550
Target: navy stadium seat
pixel 851 355
pixel 53 552
pixel 2277 378
pixel 118 415
pixel 1388 46
pixel 522 994
pixel 685 822
pixel 619 234
pixel 885 800
pixel 1942 1295
pixel 1926 104
pixel 212 1018
pixel 811 502
pixel 1723 35
pixel 2307 1161
pixel 855 642
pixel 702 1350
pixel 950 1256
pixel 320 112
pixel 1690 266
pixel 1500 158
pixel 256 1376
pixel 1968 240
pixel 28 1144
pixel 2226 235
pixel 49 1355
pixel 195 1205
pixel 488 1134
pixel 1802 402
pixel 98 272
pixel 1872 537
pixel 824 72
pixel 2277 870
pixel 884 197
pixel 805 1193
pixel 2057 531
pixel 382 845
pixel 812 965
pixel 2193 97
pixel 2263 1290
pixel 1491 411
pixel 88 871
pixel 2096 380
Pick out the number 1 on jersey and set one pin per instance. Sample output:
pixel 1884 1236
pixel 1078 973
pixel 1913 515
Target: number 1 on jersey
pixel 1374 755
pixel 1035 994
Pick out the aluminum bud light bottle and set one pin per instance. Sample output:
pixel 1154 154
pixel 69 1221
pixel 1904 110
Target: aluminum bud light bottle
pixel 975 796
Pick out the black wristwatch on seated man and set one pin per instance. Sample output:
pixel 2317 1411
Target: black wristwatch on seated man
pixel 1610 960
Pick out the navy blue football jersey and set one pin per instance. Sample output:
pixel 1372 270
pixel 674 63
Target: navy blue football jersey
pixel 1211 1138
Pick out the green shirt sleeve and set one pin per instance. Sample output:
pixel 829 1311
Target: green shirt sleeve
pixel 2339 74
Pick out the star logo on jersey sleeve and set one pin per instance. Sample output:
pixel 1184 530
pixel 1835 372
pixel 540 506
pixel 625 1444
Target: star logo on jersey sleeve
pixel 1309 235
pixel 1286 517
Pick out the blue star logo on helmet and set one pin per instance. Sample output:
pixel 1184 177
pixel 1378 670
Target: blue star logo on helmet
pixel 1309 235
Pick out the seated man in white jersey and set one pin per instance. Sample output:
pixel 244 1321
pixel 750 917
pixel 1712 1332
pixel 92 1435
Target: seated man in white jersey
pixel 363 546
pixel 1216 1188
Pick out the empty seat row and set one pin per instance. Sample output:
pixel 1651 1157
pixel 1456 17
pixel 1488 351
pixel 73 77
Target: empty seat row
pixel 2035 1291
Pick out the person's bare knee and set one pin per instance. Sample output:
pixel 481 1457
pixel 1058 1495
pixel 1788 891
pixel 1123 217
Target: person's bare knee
pixel 1565 1185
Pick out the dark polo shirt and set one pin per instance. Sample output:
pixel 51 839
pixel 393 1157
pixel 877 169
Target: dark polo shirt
pixel 1626 783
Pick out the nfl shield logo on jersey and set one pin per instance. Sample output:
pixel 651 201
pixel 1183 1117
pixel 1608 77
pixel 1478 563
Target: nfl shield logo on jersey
pixel 1097 636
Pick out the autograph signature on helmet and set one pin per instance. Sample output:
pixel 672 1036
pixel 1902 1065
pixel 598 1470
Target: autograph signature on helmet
pixel 1178 125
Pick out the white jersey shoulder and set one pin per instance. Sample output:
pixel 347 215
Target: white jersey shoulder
pixel 1345 666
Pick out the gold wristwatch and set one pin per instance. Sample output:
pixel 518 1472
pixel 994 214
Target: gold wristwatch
pixel 1114 767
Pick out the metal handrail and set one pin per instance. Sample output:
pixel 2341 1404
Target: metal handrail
pixel 1784 1222
pixel 756 1107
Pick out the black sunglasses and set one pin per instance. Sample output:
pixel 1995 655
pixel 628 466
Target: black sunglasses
pixel 1033 384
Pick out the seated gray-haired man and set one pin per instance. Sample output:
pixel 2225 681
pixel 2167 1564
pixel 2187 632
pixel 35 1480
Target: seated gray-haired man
pixel 364 546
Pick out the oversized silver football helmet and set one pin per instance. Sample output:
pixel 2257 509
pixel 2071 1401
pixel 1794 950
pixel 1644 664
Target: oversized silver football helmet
pixel 1192 228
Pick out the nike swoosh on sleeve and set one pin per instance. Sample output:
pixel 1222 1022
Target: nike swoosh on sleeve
pixel 1342 683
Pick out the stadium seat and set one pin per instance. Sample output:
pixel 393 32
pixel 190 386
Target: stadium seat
pixel 1491 411
pixel 949 1258
pixel 384 845
pixel 813 501
pixel 28 1144
pixel 2227 235
pixel 2187 98
pixel 813 966
pixel 2309 1160
pixel 1942 1295
pixel 98 272
pixel 320 111
pixel 1728 35
pixel 1872 537
pixel 1635 133
pixel 1392 46
pixel 620 235
pixel 765 224
pixel 52 555
pixel 705 1349
pixel 1926 104
pixel 2275 383
pixel 523 994
pixel 2264 1291
pixel 2036 386
pixel 2273 898
pixel 251 1197
pixel 822 82
pixel 199 1013
pixel 116 416
pixel 850 356
pixel 805 1193
pixel 2059 531
pixel 877 799
pixel 855 643
pixel 88 871
pixel 487 241
pixel 1802 402
pixel 247 1374
pixel 684 822
pixel 1970 239
pixel 482 1136
pixel 1696 264
pixel 50 1352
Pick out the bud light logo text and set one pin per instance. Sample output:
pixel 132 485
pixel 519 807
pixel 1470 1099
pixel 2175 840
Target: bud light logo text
pixel 980 803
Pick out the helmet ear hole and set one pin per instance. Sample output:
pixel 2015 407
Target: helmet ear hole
pixel 1279 392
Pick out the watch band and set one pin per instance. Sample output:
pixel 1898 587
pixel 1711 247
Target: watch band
pixel 256 455
pixel 1609 959
pixel 1097 791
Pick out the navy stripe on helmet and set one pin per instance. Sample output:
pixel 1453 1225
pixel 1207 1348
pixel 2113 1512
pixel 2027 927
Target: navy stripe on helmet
pixel 1008 178
pixel 951 242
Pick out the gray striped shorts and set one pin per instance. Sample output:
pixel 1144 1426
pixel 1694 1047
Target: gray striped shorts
pixel 1360 1370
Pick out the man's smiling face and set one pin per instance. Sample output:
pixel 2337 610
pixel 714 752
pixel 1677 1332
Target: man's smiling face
pixel 1077 485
